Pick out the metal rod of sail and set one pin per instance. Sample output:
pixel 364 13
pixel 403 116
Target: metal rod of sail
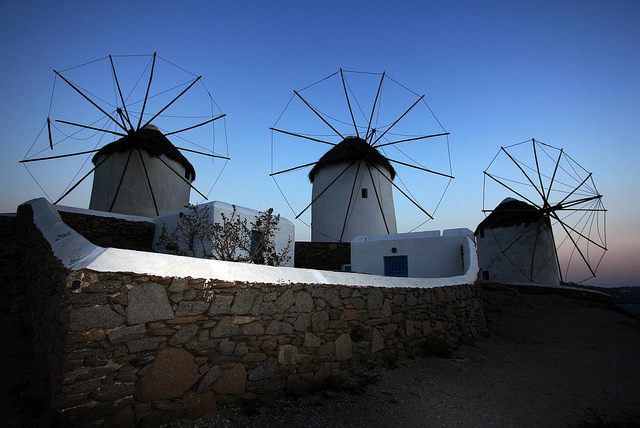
pixel 353 187
pixel 403 193
pixel 318 114
pixel 373 109
pixel 514 191
pixel 302 136
pixel 570 204
pixel 59 156
pixel 124 105
pixel 146 174
pixel 195 126
pixel 124 171
pixel 91 127
pixel 375 190
pixel 90 100
pixel 146 96
pixel 172 101
pixel 412 139
pixel 421 168
pixel 353 119
pixel 397 120
pixel 182 178
pixel 325 189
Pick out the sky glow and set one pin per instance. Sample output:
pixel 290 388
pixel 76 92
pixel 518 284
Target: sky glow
pixel 494 73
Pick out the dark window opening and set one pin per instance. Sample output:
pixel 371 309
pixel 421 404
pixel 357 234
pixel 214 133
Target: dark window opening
pixel 485 275
pixel 365 193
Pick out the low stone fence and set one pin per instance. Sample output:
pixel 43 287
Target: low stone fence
pixel 124 348
pixel 110 231
pixel 322 255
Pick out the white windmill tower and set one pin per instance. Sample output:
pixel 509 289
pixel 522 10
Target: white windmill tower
pixel 141 172
pixel 552 229
pixel 354 180
pixel 353 183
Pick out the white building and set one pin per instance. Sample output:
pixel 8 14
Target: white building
pixel 418 255
pixel 352 193
pixel 515 244
pixel 141 174
pixel 216 209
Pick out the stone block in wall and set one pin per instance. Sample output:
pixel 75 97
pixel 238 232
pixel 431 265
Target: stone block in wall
pixel 92 318
pixel 221 305
pixel 344 347
pixel 232 382
pixel 148 302
pixel 264 370
pixel 172 373
pixel 287 354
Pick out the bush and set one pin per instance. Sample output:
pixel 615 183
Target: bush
pixel 234 240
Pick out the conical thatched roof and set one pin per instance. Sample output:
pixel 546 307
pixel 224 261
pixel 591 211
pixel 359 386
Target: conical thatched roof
pixel 512 212
pixel 151 140
pixel 349 150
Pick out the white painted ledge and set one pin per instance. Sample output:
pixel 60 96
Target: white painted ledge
pixel 76 253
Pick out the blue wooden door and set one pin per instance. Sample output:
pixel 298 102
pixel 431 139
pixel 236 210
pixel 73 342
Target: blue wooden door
pixel 396 266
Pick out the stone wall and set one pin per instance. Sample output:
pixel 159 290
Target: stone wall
pixel 44 278
pixel 124 348
pixel 322 255
pixel 185 345
pixel 112 232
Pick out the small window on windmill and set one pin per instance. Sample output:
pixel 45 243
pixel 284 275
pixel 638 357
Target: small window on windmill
pixel 365 193
pixel 485 275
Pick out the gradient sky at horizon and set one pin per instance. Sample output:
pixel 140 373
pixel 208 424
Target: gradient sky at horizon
pixel 495 73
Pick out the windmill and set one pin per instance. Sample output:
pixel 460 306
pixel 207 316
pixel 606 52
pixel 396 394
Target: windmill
pixel 381 136
pixel 140 172
pixel 552 226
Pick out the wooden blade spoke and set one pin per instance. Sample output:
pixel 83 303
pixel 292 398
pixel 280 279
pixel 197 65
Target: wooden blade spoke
pixel 421 168
pixel 172 101
pixel 302 136
pixel 90 100
pixel 91 127
pixel 397 120
pixel 146 96
pixel 195 126
pixel 373 109
pixel 292 169
pixel 403 193
pixel 319 115
pixel 346 94
pixel 412 139
pixel 211 155
pixel 59 156
pixel 514 191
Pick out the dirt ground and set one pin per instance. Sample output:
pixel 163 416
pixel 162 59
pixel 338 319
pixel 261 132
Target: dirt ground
pixel 547 362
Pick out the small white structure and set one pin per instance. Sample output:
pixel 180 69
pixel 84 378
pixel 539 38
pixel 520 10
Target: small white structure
pixel 515 244
pixel 216 209
pixel 352 193
pixel 141 174
pixel 417 255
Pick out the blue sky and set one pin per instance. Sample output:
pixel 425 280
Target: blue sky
pixel 494 73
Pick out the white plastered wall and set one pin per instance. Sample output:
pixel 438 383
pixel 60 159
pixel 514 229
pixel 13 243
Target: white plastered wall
pixel 76 253
pixel 429 255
